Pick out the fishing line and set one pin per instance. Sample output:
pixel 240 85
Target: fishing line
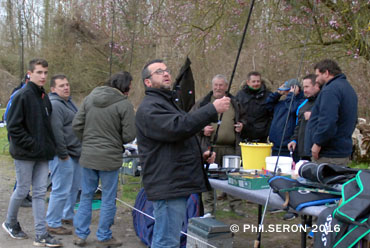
pixel 151 217
pixel 256 242
pixel 112 36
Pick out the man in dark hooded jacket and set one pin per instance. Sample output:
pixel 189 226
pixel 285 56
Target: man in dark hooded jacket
pixel 252 100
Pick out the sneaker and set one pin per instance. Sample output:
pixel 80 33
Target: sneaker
pixel 207 215
pixel 15 231
pixel 59 230
pixel 46 240
pixel 275 210
pixel 79 241
pixel 27 202
pixel 290 216
pixel 68 222
pixel 109 243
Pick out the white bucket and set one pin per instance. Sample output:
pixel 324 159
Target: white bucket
pixel 285 164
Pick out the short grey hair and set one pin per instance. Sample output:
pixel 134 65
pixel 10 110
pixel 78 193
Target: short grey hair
pixel 220 76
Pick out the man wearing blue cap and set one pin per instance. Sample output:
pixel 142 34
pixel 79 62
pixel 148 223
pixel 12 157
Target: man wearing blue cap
pixel 292 90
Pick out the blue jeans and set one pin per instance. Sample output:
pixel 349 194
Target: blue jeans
pixel 65 178
pixel 169 216
pixel 82 219
pixel 29 173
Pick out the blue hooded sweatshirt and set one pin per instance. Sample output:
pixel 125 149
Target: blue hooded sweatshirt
pixel 280 111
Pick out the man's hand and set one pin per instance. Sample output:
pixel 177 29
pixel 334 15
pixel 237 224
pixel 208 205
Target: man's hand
pixel 315 150
pixel 209 159
pixel 238 127
pixel 222 105
pixel 294 89
pixel 292 145
pixel 307 115
pixel 208 130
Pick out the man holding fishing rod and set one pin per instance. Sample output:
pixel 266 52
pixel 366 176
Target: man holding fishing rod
pixel 172 159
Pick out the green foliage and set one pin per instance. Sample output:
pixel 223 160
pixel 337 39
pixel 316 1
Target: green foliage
pixel 4 144
pixel 360 165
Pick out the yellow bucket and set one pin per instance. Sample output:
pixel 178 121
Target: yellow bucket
pixel 254 155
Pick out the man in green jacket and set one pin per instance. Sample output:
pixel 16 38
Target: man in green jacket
pixel 104 122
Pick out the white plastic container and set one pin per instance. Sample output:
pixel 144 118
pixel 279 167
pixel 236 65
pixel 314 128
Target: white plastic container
pixel 285 164
pixel 212 166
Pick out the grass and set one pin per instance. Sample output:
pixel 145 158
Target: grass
pixel 130 186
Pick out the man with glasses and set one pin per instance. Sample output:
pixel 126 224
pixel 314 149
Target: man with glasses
pixel 172 160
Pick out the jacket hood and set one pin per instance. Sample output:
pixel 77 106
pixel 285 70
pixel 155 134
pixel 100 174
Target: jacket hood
pixel 105 96
pixel 56 97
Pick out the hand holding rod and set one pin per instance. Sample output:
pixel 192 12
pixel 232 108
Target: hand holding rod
pixel 232 75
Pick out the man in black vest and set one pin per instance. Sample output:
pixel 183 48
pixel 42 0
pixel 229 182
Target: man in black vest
pixel 310 89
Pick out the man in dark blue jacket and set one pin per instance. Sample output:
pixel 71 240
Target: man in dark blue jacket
pixel 334 116
pixel 171 155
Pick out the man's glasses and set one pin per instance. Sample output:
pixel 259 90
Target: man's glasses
pixel 159 72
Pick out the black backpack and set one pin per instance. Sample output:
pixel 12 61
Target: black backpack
pixel 348 223
pixel 298 196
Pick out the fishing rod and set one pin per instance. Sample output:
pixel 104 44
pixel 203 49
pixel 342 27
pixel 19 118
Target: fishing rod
pixel 213 142
pixel 258 240
pixel 112 36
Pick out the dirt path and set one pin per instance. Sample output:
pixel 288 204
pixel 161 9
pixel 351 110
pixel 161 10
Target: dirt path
pixel 123 229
